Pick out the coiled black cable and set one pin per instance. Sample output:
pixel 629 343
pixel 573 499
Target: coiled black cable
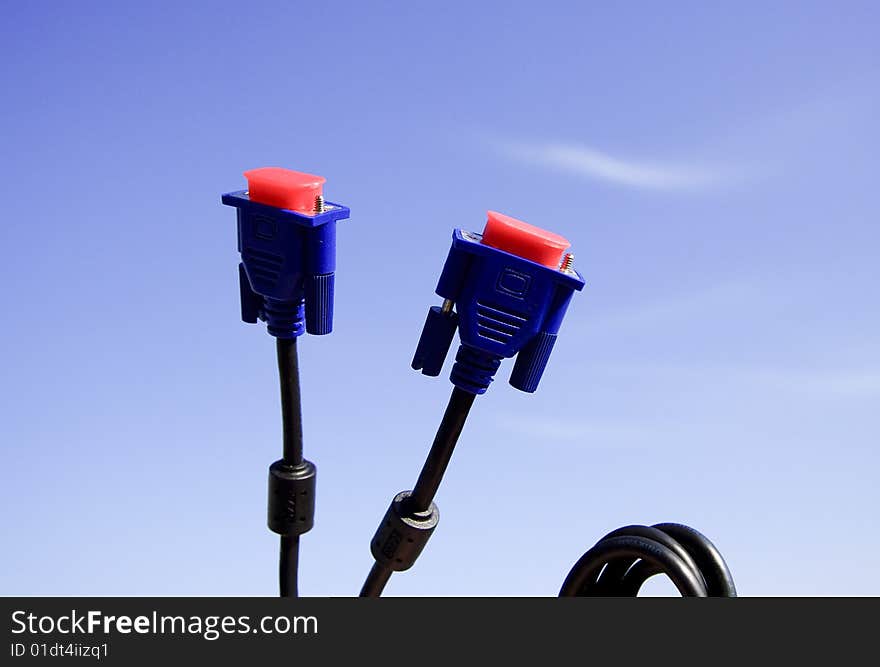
pixel 624 559
pixel 618 565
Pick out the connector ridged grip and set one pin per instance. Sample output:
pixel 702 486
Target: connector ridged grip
pixel 531 362
pixel 284 319
pixel 319 304
pixel 437 335
pixel 291 497
pixel 402 535
pixel 474 369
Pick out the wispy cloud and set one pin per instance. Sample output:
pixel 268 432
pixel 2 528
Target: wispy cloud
pixel 763 144
pixel 634 173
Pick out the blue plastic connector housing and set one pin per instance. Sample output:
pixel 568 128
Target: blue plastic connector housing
pixel 288 264
pixel 505 306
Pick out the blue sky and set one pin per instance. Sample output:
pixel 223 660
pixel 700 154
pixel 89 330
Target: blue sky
pixel 714 165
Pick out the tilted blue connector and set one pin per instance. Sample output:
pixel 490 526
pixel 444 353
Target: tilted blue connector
pixel 506 304
pixel 288 256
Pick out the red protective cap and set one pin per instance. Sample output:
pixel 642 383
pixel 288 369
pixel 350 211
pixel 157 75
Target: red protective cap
pixel 284 188
pixel 524 240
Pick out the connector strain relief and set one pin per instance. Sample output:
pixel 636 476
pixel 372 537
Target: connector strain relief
pixel 474 369
pixel 284 318
pixel 319 304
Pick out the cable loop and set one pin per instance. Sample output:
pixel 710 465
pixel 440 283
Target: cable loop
pixel 620 563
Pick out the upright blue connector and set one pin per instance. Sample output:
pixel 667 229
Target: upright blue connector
pixel 287 241
pixel 510 288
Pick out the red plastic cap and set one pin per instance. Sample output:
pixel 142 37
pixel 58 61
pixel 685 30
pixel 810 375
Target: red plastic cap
pixel 524 240
pixel 284 188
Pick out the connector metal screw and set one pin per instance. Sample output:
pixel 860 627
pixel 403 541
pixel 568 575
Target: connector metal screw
pixel 319 204
pixel 446 308
pixel 567 262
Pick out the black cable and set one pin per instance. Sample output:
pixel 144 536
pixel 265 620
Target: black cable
pixel 441 450
pixel 288 565
pixel 412 517
pixel 291 480
pixel 375 581
pixel 624 559
pixel 291 402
